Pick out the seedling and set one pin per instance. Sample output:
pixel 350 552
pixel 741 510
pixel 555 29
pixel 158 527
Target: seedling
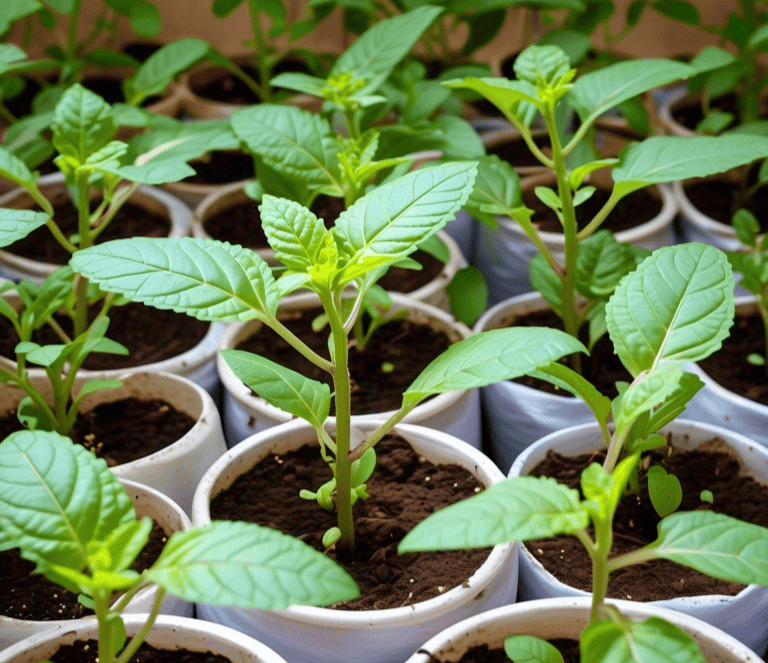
pixel 675 308
pixel 69 515
pixel 216 281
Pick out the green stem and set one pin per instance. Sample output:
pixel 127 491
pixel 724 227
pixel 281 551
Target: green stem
pixel 74 25
pixel 139 638
pixel 343 396
pixel 21 380
pixel 80 319
pixel 289 337
pixel 6 114
pixel 382 430
pixel 261 52
pixel 101 605
pixel 600 567
pixel 614 449
pixel 639 556
pixel 524 221
pixel 598 219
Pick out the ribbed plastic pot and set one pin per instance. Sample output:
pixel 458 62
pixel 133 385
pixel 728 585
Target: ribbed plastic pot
pixel 322 635
pixel 741 616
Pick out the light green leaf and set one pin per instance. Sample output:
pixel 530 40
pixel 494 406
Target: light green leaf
pixel 293 231
pixel 12 10
pixel 142 14
pixel 124 544
pixel 574 44
pixel 601 262
pixel 98 385
pixel 651 641
pixel 546 282
pixel 159 171
pixel 242 564
pixel 375 53
pixel 14 169
pixel 528 649
pixel 207 279
pixel 710 58
pixel 496 191
pixel 759 37
pixel 513 98
pixel 291 141
pixel 647 391
pixel 300 83
pixel 541 63
pixel 46 355
pixel 570 380
pixel 18 223
pixel 674 404
pixel 285 389
pixel 159 69
pixel 82 123
pixel 720 546
pixel 598 91
pixel 676 306
pixel 516 509
pixel 468 294
pixel 664 490
pixel 395 217
pixel 491 356
pixel 56 496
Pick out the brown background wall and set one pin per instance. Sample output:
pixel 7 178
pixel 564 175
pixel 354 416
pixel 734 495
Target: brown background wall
pixel 655 37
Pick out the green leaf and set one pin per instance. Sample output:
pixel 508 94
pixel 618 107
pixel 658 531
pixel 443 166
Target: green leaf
pixel 650 641
pixel 207 279
pixel 14 169
pixel 13 10
pixel 528 649
pixel 648 391
pixel 574 44
pixel 496 191
pixel 544 64
pixel 546 282
pixel 47 355
pixel 157 171
pixel 293 231
pixel 674 404
pixel 715 123
pixel 671 158
pixel 375 53
pixel 676 306
pixel 56 496
pixel 468 294
pixel 291 141
pixel 93 386
pixel 82 123
pixel 159 69
pixel 142 14
pixel 222 8
pixel 720 546
pixel 601 262
pixel 570 380
pixel 242 564
pixel 682 11
pixel 124 544
pixel 759 37
pixel 664 490
pixel 395 217
pixel 18 223
pixel 300 83
pixel 711 58
pixel 746 226
pixel 285 389
pixel 598 91
pixel 513 98
pixel 516 509
pixel 491 356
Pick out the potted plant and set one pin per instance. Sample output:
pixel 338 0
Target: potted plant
pixel 73 519
pixel 654 335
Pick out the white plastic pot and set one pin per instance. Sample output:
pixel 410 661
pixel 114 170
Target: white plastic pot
pixel 743 615
pixel 167 633
pixel 463 231
pixel 321 635
pixel 667 107
pixel 504 254
pixel 566 618
pixel 456 413
pixel 147 502
pixel 52 187
pixel 714 404
pixel 175 470
pixel 518 415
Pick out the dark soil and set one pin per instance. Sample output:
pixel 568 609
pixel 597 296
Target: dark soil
pixel 690 114
pixel 111 90
pixel 517 153
pixel 150 334
pixel 222 167
pixel 602 367
pixel 631 211
pixel 729 366
pixel 130 221
pixel 712 467
pixel 406 345
pixel 483 654
pixel 141 50
pixel 719 199
pixel 33 597
pixel 404 489
pixel 121 431
pixel 83 651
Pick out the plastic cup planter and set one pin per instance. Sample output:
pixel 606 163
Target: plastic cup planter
pixel 229 195
pixel 503 254
pixel 518 415
pixel 322 635
pixel 719 406
pixel 175 470
pixel 147 502
pixel 741 616
pixel 456 413
pixel 566 618
pixel 167 633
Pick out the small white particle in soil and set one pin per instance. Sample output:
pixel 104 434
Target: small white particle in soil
pixel 540 551
pixel 682 581
pixel 422 459
pixel 631 522
pixel 411 580
pixel 455 485
pixel 628 596
pixel 440 589
pixel 410 595
pixel 562 551
pixel 426 478
pixel 278 460
pixel 477 489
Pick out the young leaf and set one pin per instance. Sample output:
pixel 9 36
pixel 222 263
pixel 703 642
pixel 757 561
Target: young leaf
pixel 545 63
pixel 648 391
pixel 546 282
pixel 528 649
pixel 513 98
pixel 14 169
pixel 207 279
pixel 516 509
pixel 18 223
pixel 664 490
pixel 279 386
pixel 293 232
pixel 56 496
pixel 468 294
pixel 242 564
pixel 496 191
pixel 82 123
pixel 677 306
pixel 650 641
pixel 674 404
pixel 491 356
pixel 601 262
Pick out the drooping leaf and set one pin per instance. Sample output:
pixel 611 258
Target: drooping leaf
pixel 18 223
pixel 207 279
pixel 516 509
pixel 676 306
pixel 528 649
pixel 285 389
pixel 293 231
pixel 56 496
pixel 82 123
pixel 242 564
pixel 491 356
